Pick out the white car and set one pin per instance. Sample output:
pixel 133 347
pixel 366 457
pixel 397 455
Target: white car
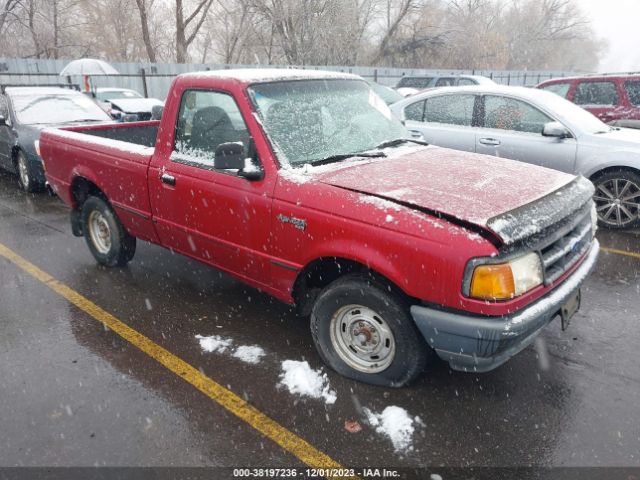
pixel 121 102
pixel 539 127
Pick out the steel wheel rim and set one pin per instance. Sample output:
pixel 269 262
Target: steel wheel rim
pixel 362 338
pixel 617 202
pixel 99 232
pixel 23 171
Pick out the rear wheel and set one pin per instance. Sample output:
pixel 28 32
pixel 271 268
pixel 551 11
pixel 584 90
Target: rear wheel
pixel 365 332
pixel 617 199
pixel 108 241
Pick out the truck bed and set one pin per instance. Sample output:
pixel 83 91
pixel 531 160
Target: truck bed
pixel 138 133
pixel 115 156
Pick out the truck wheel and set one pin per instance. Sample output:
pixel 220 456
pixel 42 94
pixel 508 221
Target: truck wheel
pixel 617 199
pixel 25 177
pixel 365 332
pixel 107 239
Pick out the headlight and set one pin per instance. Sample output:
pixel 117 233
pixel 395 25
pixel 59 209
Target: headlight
pixel 501 281
pixel 37 145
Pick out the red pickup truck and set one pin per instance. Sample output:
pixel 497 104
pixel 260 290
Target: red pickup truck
pixel 303 185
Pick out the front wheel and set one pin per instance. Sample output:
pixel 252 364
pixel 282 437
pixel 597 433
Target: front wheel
pixel 365 332
pixel 108 241
pixel 617 199
pixel 25 175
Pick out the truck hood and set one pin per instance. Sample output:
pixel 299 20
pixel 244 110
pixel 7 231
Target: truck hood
pixel 512 199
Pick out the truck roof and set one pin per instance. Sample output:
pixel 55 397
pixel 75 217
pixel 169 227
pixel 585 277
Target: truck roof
pixel 259 75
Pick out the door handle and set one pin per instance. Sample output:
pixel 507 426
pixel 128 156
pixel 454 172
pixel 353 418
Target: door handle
pixel 489 141
pixel 168 179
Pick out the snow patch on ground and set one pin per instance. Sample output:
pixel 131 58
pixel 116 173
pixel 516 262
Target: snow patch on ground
pixel 249 353
pixel 217 344
pixel 396 424
pixel 214 343
pixel 299 378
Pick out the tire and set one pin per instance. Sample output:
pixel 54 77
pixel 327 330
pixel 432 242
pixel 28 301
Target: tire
pixel 617 199
pixel 357 308
pixel 108 241
pixel 25 174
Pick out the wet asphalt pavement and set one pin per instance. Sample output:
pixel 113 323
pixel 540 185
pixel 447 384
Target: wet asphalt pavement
pixel 74 393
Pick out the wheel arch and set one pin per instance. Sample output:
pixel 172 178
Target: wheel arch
pixel 322 271
pixel 612 168
pixel 81 189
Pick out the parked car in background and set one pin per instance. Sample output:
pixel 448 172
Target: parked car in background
pixel 410 85
pixel 24 112
pixel 389 95
pixel 614 99
pixel 123 102
pixel 297 183
pixel 535 126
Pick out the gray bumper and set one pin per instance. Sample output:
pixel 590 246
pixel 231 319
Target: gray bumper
pixel 480 344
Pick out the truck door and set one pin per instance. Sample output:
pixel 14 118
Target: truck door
pixel 210 214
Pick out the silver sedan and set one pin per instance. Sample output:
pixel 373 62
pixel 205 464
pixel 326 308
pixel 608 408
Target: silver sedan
pixel 539 127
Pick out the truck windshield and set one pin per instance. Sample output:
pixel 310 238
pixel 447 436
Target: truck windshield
pixel 309 121
pixel 56 109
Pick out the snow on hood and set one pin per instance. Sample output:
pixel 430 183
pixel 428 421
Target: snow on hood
pixel 621 137
pixel 473 188
pixel 135 105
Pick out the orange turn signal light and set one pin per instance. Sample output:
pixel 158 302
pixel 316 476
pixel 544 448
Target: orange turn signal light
pixel 493 282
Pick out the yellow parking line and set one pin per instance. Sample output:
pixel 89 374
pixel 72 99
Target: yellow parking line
pixel 289 441
pixel 620 252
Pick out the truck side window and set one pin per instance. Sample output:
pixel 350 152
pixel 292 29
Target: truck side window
pixel 558 88
pixel 596 93
pixel 206 120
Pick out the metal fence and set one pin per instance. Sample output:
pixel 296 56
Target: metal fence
pixel 154 79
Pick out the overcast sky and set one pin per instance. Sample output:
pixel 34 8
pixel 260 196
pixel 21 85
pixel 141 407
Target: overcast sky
pixel 617 21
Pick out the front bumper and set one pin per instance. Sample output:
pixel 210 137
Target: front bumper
pixel 480 344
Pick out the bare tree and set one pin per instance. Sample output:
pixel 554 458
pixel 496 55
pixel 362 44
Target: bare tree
pixel 144 24
pixel 195 18
pixel 7 8
pixel 395 13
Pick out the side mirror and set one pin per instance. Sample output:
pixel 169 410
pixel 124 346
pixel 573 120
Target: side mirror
pixel 3 121
pixel 232 156
pixel 229 156
pixel 156 112
pixel 555 129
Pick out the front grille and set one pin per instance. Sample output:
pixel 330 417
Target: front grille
pixel 567 245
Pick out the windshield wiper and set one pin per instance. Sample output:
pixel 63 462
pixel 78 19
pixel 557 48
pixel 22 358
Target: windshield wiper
pixel 344 156
pixel 398 141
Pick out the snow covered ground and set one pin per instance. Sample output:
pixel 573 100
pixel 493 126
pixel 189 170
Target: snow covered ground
pixel 217 344
pixel 396 424
pixel 299 378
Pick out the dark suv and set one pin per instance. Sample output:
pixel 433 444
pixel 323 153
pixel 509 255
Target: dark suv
pixel 24 112
pixel 614 99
